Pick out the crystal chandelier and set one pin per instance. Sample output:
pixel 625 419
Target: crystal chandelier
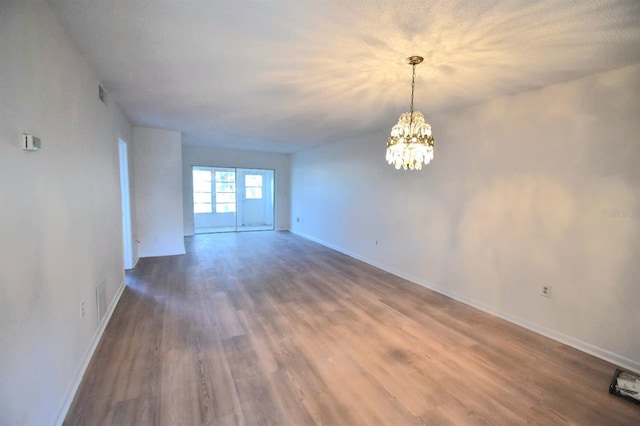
pixel 411 142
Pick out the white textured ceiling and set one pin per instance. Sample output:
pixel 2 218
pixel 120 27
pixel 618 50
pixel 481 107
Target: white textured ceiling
pixel 286 75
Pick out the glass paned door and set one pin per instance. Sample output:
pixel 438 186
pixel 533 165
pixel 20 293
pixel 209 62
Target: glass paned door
pixel 255 205
pixel 225 191
pixel 214 199
pixel 231 199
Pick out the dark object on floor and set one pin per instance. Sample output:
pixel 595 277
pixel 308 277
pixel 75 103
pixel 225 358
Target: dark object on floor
pixel 625 385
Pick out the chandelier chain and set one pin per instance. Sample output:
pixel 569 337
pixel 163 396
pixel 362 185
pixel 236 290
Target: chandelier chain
pixel 413 86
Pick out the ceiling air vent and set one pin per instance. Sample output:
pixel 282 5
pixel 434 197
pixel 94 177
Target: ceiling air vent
pixel 102 95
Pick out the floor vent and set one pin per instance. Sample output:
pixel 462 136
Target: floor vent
pixel 101 301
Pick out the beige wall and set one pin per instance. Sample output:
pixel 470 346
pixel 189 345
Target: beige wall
pixel 535 189
pixel 60 224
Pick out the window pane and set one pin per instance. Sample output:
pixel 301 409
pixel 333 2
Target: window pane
pixel 225 208
pixel 201 207
pixel 225 187
pixel 225 197
pixel 254 193
pixel 253 180
pixel 201 176
pixel 202 197
pixel 226 176
pixel 202 191
pixel 199 186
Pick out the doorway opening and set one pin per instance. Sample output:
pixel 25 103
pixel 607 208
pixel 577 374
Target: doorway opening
pixel 126 204
pixel 232 199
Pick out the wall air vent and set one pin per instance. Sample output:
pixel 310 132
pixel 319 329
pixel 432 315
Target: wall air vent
pixel 102 95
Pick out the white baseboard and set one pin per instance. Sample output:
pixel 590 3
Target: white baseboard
pixel 86 358
pixel 596 351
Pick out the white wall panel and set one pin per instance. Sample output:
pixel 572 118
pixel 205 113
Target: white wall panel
pixel 60 216
pixel 157 157
pixel 535 189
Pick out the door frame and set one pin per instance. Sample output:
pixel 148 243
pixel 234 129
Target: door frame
pixel 125 194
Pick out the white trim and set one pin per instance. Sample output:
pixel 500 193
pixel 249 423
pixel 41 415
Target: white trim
pixel 596 351
pixel 125 196
pixel 86 358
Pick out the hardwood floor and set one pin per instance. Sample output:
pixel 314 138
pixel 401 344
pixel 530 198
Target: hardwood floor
pixel 268 328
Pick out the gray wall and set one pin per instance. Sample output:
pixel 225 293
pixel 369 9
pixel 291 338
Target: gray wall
pixel 60 224
pixel 529 190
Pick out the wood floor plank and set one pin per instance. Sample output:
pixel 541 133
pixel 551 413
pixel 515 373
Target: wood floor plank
pixel 226 315
pixel 268 328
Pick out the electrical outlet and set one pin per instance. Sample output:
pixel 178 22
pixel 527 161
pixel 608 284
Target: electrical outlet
pixel 82 312
pixel 545 291
pixel 377 242
pixel 298 219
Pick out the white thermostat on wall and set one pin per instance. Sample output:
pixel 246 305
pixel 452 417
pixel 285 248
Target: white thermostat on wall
pixel 30 142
